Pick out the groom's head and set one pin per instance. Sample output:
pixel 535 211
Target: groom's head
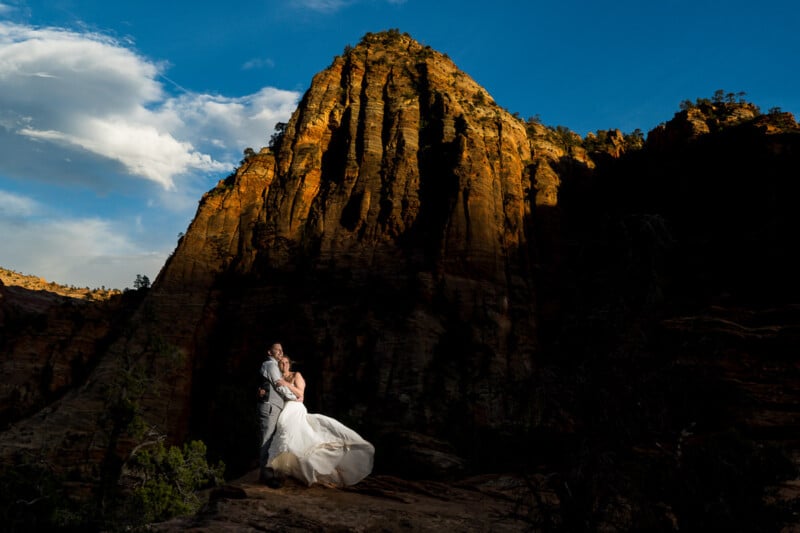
pixel 275 351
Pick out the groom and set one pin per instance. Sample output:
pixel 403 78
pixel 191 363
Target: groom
pixel 271 398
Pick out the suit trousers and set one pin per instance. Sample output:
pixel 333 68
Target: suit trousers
pixel 268 414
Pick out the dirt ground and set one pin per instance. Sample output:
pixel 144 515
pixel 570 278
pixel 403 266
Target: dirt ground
pixel 497 503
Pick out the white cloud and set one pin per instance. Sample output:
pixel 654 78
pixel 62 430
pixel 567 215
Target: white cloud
pixel 142 149
pixel 85 252
pixel 240 122
pixel 84 113
pixel 87 94
pixel 13 205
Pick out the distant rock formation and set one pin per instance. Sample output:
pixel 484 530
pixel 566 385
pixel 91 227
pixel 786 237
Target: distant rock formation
pixel 50 338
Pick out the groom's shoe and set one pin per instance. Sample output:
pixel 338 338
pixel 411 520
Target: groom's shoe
pixel 274 483
pixel 270 478
pixel 265 474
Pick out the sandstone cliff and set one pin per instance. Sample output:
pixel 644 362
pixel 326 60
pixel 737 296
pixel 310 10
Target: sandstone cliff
pixel 387 242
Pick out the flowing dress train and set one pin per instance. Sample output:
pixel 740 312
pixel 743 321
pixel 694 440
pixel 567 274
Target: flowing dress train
pixel 315 448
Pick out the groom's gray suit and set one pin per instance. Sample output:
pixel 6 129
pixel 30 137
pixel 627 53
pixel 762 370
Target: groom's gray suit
pixel 269 409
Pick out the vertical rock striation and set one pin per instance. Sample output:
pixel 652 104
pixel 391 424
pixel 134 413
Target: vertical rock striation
pixel 386 240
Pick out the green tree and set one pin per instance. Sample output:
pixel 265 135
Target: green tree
pixel 635 139
pixel 276 139
pixel 167 480
pixel 141 282
pixel 566 137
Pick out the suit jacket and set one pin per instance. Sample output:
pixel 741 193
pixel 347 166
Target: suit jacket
pixel 276 395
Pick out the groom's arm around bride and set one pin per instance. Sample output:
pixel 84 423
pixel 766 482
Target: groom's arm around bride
pixel 270 404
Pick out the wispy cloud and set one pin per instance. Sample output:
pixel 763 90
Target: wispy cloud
pixel 14 205
pixel 324 6
pixel 258 63
pixel 330 6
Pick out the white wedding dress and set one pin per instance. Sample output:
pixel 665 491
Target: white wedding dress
pixel 316 448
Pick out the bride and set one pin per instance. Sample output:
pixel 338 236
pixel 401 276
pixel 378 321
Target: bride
pixel 315 448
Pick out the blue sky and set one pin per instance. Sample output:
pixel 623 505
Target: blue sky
pixel 115 117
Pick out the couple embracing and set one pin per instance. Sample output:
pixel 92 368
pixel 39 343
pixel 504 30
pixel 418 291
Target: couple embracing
pixel 312 448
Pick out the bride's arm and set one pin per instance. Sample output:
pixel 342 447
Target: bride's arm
pixel 300 384
pixel 298 387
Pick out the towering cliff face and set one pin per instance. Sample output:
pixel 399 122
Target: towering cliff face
pixel 386 241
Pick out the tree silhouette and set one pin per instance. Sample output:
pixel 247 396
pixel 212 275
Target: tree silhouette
pixel 277 138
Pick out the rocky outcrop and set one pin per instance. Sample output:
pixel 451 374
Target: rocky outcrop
pixel 700 119
pixel 48 292
pixel 50 338
pixel 488 503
